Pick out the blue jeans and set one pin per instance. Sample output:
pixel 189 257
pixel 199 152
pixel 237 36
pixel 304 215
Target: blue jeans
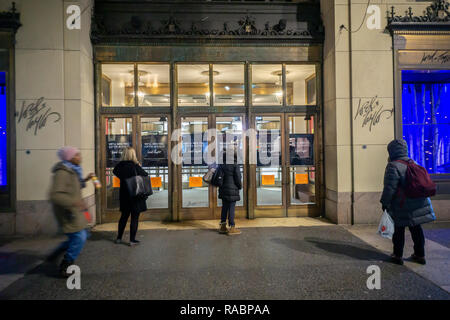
pixel 74 244
pixel 228 211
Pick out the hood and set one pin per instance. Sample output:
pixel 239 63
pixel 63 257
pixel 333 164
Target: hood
pixel 61 166
pixel 398 149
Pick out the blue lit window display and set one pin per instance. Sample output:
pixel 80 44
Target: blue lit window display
pixel 3 131
pixel 426 118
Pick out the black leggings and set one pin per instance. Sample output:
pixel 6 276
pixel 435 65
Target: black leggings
pixel 133 226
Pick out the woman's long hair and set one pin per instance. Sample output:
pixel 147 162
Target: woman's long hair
pixel 129 154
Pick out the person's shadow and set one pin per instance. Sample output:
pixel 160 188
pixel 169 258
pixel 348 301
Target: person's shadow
pixel 319 246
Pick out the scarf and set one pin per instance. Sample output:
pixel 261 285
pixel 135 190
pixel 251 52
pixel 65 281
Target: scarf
pixel 78 171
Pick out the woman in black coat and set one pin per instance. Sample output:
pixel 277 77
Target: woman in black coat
pixel 127 168
pixel 229 193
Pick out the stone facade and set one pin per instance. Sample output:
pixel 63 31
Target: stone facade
pixel 54 70
pixel 359 70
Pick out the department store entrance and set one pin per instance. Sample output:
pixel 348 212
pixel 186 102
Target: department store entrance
pixel 269 112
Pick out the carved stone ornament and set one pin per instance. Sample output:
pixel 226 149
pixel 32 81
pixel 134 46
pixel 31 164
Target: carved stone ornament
pixel 115 26
pixel 435 17
pixel 10 19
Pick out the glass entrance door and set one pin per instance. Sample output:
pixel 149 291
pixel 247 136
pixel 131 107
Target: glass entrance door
pixel 118 134
pixel 195 193
pixel 150 137
pixel 285 173
pixel 154 150
pixel 301 165
pixel 269 171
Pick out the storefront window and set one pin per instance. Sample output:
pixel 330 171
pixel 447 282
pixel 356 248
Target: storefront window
pixel 229 85
pixel 267 85
pixel 154 85
pixel 426 118
pixel 117 85
pixel 3 132
pixel 193 85
pixel 301 85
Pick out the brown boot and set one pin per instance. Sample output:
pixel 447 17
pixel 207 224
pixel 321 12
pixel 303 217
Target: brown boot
pixel 233 231
pixel 223 228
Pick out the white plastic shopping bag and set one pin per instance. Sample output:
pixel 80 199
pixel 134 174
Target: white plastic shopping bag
pixel 386 227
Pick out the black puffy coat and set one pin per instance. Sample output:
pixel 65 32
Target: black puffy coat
pixel 229 191
pixel 123 171
pixel 413 211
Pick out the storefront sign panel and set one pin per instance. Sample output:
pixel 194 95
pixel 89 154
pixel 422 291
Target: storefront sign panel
pixel 438 58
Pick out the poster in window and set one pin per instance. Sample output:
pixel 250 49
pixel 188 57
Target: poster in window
pixel 194 150
pixel 269 150
pixel 155 151
pixel 301 149
pixel 115 144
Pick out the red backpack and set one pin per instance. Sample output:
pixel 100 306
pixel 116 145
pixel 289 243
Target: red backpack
pixel 418 181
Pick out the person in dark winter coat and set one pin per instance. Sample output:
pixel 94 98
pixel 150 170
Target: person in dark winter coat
pixel 406 212
pixel 129 167
pixel 229 193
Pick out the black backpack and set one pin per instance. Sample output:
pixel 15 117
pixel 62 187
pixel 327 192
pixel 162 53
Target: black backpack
pixel 217 179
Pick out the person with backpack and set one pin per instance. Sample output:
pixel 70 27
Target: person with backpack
pixel 228 177
pixel 129 167
pixel 407 188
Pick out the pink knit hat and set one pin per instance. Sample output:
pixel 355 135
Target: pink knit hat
pixel 67 153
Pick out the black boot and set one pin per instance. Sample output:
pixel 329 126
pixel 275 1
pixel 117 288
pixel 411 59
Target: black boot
pixel 397 260
pixel 419 260
pixel 63 268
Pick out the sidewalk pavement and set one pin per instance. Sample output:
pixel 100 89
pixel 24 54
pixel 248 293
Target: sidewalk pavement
pixel 437 250
pixel 21 255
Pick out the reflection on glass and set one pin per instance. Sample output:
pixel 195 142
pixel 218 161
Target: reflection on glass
pixel 118 132
pixel 154 85
pixel 195 190
pixel 154 135
pixel 267 85
pixel 268 171
pixel 229 133
pixel 301 85
pixel 229 88
pixel 117 85
pixel 193 85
